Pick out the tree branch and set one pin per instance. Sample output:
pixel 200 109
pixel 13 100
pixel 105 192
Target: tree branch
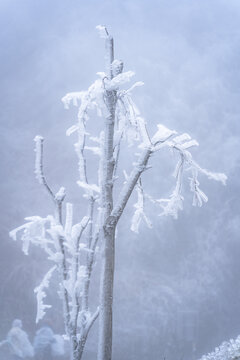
pixel 129 186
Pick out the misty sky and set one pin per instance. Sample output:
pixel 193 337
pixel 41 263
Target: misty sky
pixel 187 53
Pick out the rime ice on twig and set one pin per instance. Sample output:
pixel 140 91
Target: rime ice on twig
pixel 68 246
pixel 39 158
pixel 41 294
pixel 39 163
pixel 102 31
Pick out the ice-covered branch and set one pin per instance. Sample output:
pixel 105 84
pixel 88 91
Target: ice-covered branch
pixel 129 186
pixel 91 321
pixel 41 294
pixel 39 164
pixel 118 80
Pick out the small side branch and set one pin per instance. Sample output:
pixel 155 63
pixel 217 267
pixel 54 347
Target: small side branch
pixel 84 336
pixel 39 165
pixel 130 185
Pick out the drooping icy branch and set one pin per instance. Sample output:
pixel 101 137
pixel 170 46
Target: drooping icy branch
pixel 175 202
pixel 41 307
pixel 139 214
pixel 172 205
pixel 34 231
pixel 198 195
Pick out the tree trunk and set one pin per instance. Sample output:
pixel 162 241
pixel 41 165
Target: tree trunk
pixel 108 231
pixel 106 296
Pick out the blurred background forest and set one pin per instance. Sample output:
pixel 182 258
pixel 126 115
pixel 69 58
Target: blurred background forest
pixel 177 290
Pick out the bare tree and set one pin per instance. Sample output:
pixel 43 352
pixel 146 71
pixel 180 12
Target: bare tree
pixel 72 250
pixel 121 123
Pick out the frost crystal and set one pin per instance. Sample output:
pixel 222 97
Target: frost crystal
pixel 41 294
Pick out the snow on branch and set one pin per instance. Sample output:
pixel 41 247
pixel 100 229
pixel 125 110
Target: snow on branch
pixel 102 31
pixel 221 177
pixel 118 80
pixel 89 187
pixel 78 228
pixel 60 195
pixel 41 294
pixel 162 134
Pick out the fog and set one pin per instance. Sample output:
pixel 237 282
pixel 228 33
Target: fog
pixel 177 291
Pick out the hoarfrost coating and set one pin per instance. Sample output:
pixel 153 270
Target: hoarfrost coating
pixel 64 245
pixel 122 121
